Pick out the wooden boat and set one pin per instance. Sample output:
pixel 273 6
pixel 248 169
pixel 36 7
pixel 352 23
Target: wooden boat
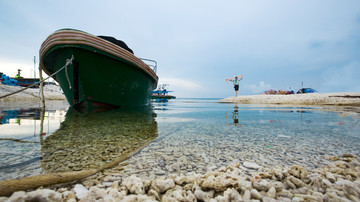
pixel 102 74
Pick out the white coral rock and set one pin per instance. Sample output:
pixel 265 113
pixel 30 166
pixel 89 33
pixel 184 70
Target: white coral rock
pixel 134 185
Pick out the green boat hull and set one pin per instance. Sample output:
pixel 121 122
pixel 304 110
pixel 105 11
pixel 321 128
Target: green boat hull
pixel 98 79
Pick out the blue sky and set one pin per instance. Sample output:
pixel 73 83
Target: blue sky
pixel 275 44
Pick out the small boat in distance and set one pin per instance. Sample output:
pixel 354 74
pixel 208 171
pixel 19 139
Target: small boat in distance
pixel 104 72
pixel 18 80
pixel 25 82
pixel 161 94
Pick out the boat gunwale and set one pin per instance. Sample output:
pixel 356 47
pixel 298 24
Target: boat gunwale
pixel 78 38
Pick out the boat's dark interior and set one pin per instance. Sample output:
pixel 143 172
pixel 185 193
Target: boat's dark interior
pixel 117 42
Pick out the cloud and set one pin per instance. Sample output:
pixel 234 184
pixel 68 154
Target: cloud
pixel 182 87
pixel 280 43
pixel 256 88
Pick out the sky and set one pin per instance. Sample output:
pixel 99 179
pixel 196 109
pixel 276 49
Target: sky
pixel 274 44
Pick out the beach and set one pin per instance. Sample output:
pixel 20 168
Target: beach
pixel 51 92
pixel 54 92
pixel 237 180
pixel 339 99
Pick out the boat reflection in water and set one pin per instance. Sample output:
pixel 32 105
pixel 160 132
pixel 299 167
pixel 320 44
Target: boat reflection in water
pixel 18 114
pixel 87 141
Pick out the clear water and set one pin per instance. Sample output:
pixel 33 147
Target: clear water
pixel 20 139
pixel 181 136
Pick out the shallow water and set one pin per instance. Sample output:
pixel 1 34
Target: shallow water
pixel 20 139
pixel 200 134
pixel 185 136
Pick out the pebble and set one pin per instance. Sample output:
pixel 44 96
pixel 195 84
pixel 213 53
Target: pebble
pixel 263 185
pixel 330 177
pixel 247 195
pixel 163 185
pixel 80 191
pixel 271 193
pixel 255 194
pixel 251 165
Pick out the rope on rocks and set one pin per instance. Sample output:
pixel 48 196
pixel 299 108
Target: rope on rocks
pixel 68 62
pixel 8 187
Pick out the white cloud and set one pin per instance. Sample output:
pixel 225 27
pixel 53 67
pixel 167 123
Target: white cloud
pixel 256 88
pixel 182 87
pixel 180 83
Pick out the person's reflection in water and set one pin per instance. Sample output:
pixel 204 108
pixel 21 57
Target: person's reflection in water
pixel 235 116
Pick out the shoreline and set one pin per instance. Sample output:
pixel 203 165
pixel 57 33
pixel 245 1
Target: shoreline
pixel 336 99
pixel 51 92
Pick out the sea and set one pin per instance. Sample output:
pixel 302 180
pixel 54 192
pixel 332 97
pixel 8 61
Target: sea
pixel 182 136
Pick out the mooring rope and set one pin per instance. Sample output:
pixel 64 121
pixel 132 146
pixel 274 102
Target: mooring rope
pixel 66 73
pixel 16 140
pixel 8 187
pixel 68 62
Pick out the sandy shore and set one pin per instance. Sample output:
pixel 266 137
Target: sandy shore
pixel 352 99
pixel 51 92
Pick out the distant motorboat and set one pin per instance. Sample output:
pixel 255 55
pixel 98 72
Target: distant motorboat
pixel 161 93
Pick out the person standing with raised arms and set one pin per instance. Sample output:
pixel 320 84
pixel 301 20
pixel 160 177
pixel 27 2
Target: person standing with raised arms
pixel 235 81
